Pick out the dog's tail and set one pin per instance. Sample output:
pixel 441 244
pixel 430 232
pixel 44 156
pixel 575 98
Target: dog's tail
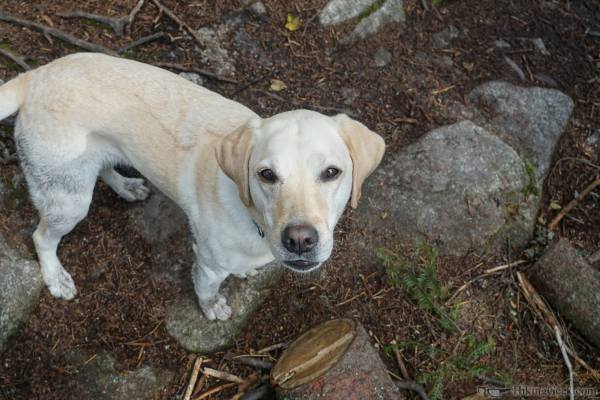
pixel 12 94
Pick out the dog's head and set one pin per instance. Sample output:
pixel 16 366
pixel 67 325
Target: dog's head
pixel 296 171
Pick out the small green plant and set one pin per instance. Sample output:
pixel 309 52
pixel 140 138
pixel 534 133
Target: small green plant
pixel 438 3
pixel 419 278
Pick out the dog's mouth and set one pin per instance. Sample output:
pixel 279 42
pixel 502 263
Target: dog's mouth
pixel 300 265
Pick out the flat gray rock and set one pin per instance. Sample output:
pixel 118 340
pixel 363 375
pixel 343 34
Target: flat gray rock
pixel 530 120
pixel 338 11
pixel 188 326
pixel 20 286
pixel 373 15
pixel 390 11
pixel 100 380
pixel 459 186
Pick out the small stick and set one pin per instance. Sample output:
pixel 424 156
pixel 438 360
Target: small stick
pixel 179 22
pixel 214 390
pixel 272 347
pixel 224 376
pixel 141 41
pixel 57 33
pixel 505 266
pixel 134 12
pixel 563 351
pixel 515 68
pixel 410 385
pixel 400 363
pixel 206 73
pixel 117 24
pixel 424 5
pixel 573 203
pixel 193 379
pixel 253 362
pixel 15 58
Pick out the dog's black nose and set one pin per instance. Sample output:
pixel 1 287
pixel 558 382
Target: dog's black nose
pixel 299 238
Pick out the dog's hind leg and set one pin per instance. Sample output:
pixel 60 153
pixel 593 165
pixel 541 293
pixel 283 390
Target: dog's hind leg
pixel 60 210
pixel 131 189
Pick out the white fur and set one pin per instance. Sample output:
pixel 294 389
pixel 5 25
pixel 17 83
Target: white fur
pixel 83 114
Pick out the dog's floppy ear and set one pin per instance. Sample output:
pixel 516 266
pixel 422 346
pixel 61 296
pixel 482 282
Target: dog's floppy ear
pixel 366 151
pixel 233 156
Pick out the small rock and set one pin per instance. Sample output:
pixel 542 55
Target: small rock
pixel 594 139
pixel 337 11
pixel 256 7
pixel 444 38
pixel 501 44
pixel 188 326
pixel 192 77
pixel 540 46
pixel 382 57
pixel 213 53
pixel 100 380
pixel 390 11
pixel 349 95
pixel 20 287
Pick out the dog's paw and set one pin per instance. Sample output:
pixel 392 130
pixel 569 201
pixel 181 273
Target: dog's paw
pixel 134 189
pixel 216 308
pixel 61 285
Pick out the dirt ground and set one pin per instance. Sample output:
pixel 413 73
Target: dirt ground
pixel 121 309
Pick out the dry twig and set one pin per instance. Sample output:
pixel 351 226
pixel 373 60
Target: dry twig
pixel 573 203
pixel 141 41
pixel 545 313
pixel 57 33
pixel 15 58
pixel 193 379
pixel 563 351
pixel 118 25
pixel 178 21
pixel 222 375
pixel 410 385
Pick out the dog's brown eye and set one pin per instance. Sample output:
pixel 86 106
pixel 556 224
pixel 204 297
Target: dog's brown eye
pixel 330 173
pixel 268 175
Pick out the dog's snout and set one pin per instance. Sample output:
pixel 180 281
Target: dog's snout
pixel 299 238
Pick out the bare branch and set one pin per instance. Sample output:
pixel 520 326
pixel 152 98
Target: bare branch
pixel 15 58
pixel 117 24
pixel 57 33
pixel 178 21
pixel 141 41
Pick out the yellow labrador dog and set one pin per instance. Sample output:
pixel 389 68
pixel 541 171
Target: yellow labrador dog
pixel 253 189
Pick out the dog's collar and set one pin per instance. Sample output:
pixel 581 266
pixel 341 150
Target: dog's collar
pixel 261 233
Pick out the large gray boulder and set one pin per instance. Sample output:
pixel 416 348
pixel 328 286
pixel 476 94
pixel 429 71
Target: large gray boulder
pixel 458 186
pixel 99 379
pixel 188 326
pixel 471 184
pixel 20 286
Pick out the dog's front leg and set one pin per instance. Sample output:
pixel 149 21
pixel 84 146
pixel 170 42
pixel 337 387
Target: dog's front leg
pixel 206 284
